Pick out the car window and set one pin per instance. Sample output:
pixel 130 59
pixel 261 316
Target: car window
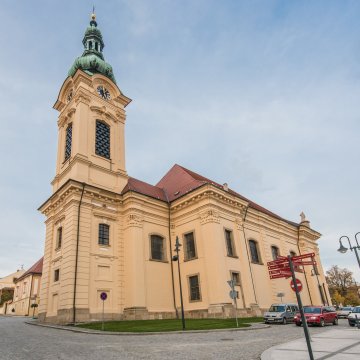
pixel 277 308
pixel 356 310
pixel 312 310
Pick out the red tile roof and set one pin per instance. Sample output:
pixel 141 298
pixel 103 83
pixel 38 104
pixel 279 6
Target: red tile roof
pixel 179 181
pixel 35 269
pixel 144 188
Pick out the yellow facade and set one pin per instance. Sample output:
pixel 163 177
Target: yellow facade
pixel 93 192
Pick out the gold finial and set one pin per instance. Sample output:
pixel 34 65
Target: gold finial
pixel 93 16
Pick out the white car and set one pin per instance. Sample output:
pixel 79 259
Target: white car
pixel 352 316
pixel 343 312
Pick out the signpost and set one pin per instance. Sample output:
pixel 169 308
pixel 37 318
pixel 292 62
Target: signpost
pixel 103 297
pixel 233 295
pixel 285 267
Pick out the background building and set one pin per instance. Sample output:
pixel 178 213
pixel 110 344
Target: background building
pixel 7 286
pixel 27 291
pixel 108 232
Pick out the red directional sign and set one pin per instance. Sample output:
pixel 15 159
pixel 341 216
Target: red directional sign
pixel 298 283
pixel 302 263
pixel 283 274
pixel 304 256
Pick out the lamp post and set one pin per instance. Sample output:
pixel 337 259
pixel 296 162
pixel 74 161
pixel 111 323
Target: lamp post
pixel 343 249
pixel 176 258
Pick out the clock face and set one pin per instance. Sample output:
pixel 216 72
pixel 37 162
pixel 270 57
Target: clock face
pixel 103 92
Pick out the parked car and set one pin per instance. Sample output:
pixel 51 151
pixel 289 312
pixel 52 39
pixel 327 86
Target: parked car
pixel 318 315
pixel 281 313
pixel 352 316
pixel 343 312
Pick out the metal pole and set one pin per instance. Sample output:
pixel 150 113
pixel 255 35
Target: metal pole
pixel 236 317
pixel 102 325
pixel 357 255
pixel 303 319
pixel 181 296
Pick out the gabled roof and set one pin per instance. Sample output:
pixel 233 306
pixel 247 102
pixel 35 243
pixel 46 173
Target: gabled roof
pixel 179 181
pixel 35 269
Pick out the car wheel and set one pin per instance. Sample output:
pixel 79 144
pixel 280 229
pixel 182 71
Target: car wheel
pixel 335 322
pixel 284 321
pixel 322 322
pixel 298 324
pixel 352 325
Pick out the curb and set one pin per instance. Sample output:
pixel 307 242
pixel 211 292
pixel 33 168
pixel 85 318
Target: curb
pixel 98 332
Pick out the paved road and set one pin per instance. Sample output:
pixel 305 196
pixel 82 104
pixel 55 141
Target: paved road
pixel 19 341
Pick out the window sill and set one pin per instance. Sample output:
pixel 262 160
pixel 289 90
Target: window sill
pixel 257 263
pixel 194 258
pixel 194 301
pixel 233 256
pixel 104 246
pixel 159 261
pixel 58 249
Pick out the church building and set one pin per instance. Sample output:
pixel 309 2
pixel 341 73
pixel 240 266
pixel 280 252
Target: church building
pixel 108 232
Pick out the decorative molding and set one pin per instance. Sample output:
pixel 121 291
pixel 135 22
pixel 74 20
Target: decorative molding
pixel 102 256
pixel 209 216
pixel 239 223
pixel 134 220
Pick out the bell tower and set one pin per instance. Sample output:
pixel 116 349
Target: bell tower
pixel 91 144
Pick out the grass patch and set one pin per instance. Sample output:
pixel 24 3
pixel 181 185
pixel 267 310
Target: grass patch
pixel 169 324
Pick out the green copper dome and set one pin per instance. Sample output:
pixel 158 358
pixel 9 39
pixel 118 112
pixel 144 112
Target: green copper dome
pixel 92 60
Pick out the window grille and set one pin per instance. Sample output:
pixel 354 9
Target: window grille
pixel 254 251
pixel 157 247
pixel 229 243
pixel 102 143
pixel 190 250
pixel 275 252
pixel 68 141
pixel 194 288
pixel 104 234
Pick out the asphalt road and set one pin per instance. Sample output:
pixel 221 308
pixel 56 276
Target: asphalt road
pixel 20 341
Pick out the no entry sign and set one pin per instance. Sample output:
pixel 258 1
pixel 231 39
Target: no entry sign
pixel 103 296
pixel 298 283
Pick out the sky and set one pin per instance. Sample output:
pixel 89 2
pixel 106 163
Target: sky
pixel 262 94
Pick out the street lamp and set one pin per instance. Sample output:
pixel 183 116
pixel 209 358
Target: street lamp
pixel 343 249
pixel 177 258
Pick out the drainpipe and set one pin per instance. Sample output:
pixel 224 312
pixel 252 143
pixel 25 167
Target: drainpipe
pixel 170 254
pixel 77 253
pixel 306 280
pixel 248 256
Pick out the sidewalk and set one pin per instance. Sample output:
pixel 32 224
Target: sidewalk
pixel 335 344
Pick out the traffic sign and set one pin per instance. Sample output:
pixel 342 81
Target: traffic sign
pixel 103 296
pixel 233 294
pixel 298 283
pixel 231 283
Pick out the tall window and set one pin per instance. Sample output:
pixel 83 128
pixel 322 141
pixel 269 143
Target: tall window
pixel 56 275
pixel 230 248
pixel 255 258
pixel 104 231
pixel 236 277
pixel 190 249
pixel 58 238
pixel 194 288
pixel 157 247
pixel 102 141
pixel 68 141
pixel 275 252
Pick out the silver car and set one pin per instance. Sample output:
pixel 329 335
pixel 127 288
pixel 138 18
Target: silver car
pixel 281 313
pixel 343 312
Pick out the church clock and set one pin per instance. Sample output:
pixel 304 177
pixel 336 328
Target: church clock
pixel 103 92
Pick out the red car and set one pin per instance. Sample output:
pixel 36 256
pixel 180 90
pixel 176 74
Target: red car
pixel 318 315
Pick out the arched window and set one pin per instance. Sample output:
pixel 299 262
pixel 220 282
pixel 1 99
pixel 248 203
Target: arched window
pixel 102 139
pixel 68 141
pixel 90 45
pixel 104 232
pixel 96 46
pixel 254 251
pixel 157 247
pixel 275 252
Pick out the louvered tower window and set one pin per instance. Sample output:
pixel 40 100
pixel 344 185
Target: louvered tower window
pixel 68 141
pixel 102 143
